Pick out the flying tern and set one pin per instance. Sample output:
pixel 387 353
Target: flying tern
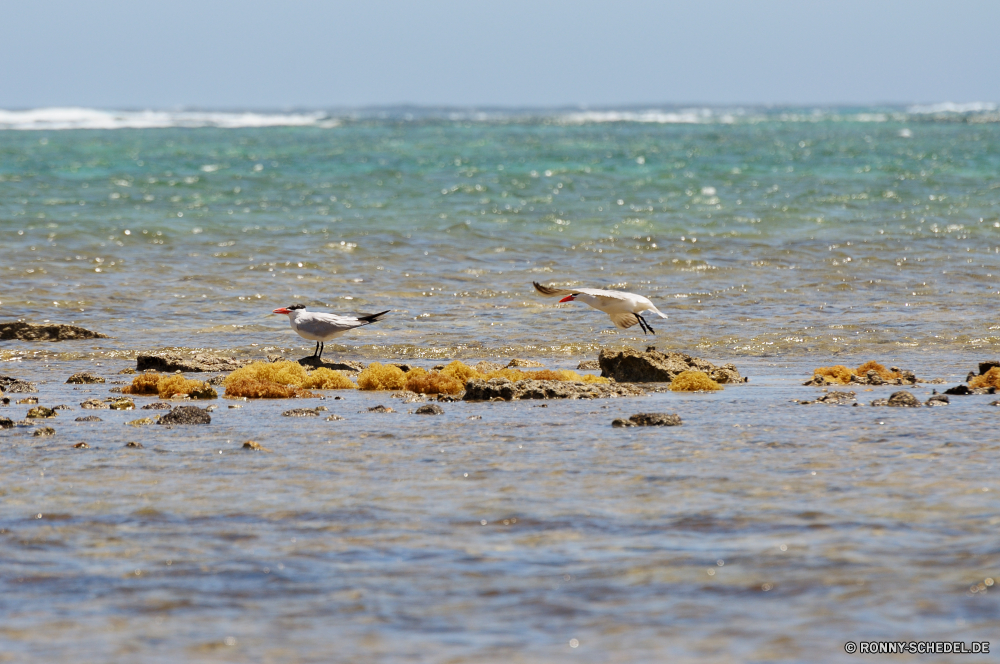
pixel 625 309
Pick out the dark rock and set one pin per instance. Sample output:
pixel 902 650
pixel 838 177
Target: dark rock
pixel 41 412
pixel 346 366
pixel 94 404
pixel 938 400
pixel 157 405
pixel 275 358
pixel 438 367
pixel 61 406
pixel 44 431
pixel 380 409
pixel 167 362
pixel 880 402
pixel 429 409
pixel 834 398
pixel 128 371
pixel 449 398
pixel 477 389
pixel 408 397
pixel 405 368
pixel 302 412
pixel 656 419
pixel 83 378
pixel 217 380
pixel 987 365
pixel 907 378
pixel 6 423
pixel 334 418
pixel 254 446
pixel 486 367
pixel 874 378
pixel 623 423
pixel 5 401
pixel 589 365
pixel 958 390
pixel 474 417
pixel 52 332
pixel 652 366
pixel 521 364
pixel 903 399
pixel 89 418
pixel 82 446
pixel 185 415
pixel 134 445
pixel 995 403
pixel 16 385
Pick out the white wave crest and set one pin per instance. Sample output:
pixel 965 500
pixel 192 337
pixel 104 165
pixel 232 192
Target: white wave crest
pixel 91 118
pixel 685 116
pixel 950 107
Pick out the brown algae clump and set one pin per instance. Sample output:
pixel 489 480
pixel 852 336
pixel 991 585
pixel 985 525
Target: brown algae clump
pixel 835 374
pixel 872 365
pixel 460 371
pixel 437 382
pixel 989 379
pixel 327 379
pixel 693 381
pixel 170 386
pixel 378 376
pixel 144 384
pixel 267 380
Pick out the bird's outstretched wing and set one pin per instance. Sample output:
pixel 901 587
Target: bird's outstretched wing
pixel 596 292
pixel 624 321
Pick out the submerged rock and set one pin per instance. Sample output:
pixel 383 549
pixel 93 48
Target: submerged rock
pixel 652 366
pixel 302 412
pixel 141 422
pixel 88 418
pixel 83 378
pixel 134 445
pixel 168 362
pixel 478 389
pixel 346 366
pixel 901 399
pixel 429 409
pixel 82 446
pixel 334 418
pixel 44 431
pixel 52 332
pixel 380 409
pixel 938 400
pixel 486 367
pixel 27 401
pixel 964 390
pixel 41 412
pixel 254 446
pixel 16 385
pixel 589 365
pixel 185 415
pixel 217 380
pixel 157 405
pixel 649 420
pixel 6 423
pixel 834 398
pixel 523 364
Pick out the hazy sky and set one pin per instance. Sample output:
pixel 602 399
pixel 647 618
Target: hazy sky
pixel 320 54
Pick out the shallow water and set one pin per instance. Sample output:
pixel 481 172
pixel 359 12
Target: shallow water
pixel 363 539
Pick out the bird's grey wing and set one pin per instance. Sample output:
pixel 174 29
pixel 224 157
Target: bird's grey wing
pixel 321 324
pixel 553 292
pixel 606 294
pixel 624 321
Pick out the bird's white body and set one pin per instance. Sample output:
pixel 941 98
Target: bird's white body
pixel 316 326
pixel 625 309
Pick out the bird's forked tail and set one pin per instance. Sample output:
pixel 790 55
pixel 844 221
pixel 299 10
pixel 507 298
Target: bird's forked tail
pixel 373 318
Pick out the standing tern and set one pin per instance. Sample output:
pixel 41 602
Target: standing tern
pixel 625 309
pixel 320 328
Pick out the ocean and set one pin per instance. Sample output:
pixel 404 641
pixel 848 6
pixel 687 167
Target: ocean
pixel 779 239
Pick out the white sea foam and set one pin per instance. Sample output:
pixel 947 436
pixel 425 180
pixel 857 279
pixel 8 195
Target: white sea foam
pixel 90 118
pixel 684 116
pixel 949 107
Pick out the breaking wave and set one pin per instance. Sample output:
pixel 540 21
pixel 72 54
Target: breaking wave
pixel 91 118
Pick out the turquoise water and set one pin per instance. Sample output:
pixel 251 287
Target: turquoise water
pixel 759 530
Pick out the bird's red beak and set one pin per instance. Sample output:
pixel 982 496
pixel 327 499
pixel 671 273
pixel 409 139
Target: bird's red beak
pixel 282 310
pixel 568 298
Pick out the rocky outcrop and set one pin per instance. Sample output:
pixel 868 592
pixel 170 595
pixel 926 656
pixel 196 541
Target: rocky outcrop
pixel 88 418
pixel 589 365
pixel 44 431
pixel 304 412
pixel 429 409
pixel 938 400
pixel 379 409
pixel 83 378
pixel 113 403
pixel 649 420
pixel 186 415
pixel 652 366
pixel 167 362
pixel 54 332
pixel 41 412
pixel 901 399
pixel 477 389
pixel 6 423
pixel 347 366
pixel 16 385
pixel 834 398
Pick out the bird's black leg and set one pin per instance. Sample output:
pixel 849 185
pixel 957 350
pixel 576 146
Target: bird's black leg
pixel 316 349
pixel 643 320
pixel 642 325
pixel 321 347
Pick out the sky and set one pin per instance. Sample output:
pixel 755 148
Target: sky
pixel 330 54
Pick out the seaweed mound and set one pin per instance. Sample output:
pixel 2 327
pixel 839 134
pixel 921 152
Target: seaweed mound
pixel 989 379
pixel 327 379
pixel 836 374
pixel 170 386
pixel 436 382
pixel 693 381
pixel 652 366
pixel 377 376
pixel 869 373
pixel 144 384
pixel 872 365
pixel 268 380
